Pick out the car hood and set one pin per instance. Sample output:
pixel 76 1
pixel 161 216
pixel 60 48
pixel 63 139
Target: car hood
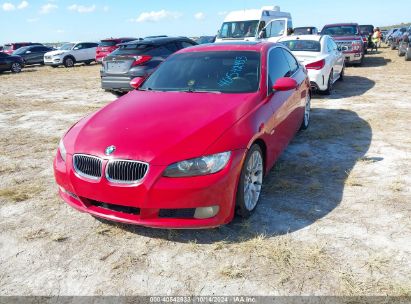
pixel 159 127
pixel 52 53
pixel 347 38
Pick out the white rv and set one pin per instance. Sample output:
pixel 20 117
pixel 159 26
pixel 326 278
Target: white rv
pixel 267 23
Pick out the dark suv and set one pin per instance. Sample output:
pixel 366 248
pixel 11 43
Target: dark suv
pixel 137 58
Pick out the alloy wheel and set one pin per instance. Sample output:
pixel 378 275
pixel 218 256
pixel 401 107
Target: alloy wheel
pixel 253 180
pixel 16 67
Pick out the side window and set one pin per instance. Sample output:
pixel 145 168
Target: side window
pixel 277 67
pixel 268 30
pixel 36 49
pixel 89 45
pixel 78 46
pixel 292 62
pixel 186 44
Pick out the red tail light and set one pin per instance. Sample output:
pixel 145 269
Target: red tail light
pixel 318 65
pixel 364 39
pixel 141 59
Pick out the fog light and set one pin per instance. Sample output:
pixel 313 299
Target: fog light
pixel 206 212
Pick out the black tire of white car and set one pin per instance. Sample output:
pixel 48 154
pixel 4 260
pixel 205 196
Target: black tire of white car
pixel 342 74
pixel 16 67
pixel 68 62
pixel 241 206
pixel 307 113
pixel 329 84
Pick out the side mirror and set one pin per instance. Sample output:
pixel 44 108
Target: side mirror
pixel 285 84
pixel 136 82
pixel 262 34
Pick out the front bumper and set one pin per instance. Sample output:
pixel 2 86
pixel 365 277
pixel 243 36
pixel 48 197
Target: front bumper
pixel 154 197
pixel 53 61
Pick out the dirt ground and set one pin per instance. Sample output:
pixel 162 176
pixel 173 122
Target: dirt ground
pixel 334 218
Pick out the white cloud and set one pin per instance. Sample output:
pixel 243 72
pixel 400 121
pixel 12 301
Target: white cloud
pixel 199 16
pixel 157 16
pixel 106 8
pixel 82 9
pixel 7 6
pixel 59 31
pixel 48 8
pixel 31 20
pixel 23 5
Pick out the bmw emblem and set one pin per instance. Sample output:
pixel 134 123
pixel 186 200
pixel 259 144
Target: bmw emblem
pixel 110 150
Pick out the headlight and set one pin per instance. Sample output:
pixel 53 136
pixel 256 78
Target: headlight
pixel 58 54
pixel 62 150
pixel 198 166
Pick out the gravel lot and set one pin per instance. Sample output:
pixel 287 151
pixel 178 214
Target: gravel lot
pixel 334 217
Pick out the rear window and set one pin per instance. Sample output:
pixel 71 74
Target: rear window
pixel 303 45
pixel 8 47
pixel 132 49
pixel 107 43
pixel 304 31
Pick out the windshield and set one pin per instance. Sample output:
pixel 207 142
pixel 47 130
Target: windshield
pixel 221 72
pixel 240 29
pixel 343 30
pixel 107 43
pixel 66 47
pixel 303 45
pixel 20 51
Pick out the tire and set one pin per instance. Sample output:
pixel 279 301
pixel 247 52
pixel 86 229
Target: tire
pixel 392 46
pixel 400 51
pixel 54 66
pixel 118 94
pixel 307 113
pixel 342 74
pixel 329 84
pixel 88 62
pixel 250 183
pixel 69 62
pixel 407 56
pixel 16 67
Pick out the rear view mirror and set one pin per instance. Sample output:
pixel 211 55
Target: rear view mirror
pixel 285 84
pixel 136 82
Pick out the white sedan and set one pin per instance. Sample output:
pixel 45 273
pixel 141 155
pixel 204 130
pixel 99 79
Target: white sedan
pixel 321 57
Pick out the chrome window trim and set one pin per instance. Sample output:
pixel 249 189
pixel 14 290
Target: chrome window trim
pixel 77 171
pixel 114 181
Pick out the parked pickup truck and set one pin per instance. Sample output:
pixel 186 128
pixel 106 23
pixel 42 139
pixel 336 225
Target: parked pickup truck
pixel 349 40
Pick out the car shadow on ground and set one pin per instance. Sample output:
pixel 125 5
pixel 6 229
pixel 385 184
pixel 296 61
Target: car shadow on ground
pixel 374 61
pixel 305 185
pixel 357 86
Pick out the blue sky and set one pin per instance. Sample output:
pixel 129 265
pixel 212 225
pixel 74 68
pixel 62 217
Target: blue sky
pixel 63 20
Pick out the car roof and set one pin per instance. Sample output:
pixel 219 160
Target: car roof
pixel 340 24
pixel 122 38
pixel 303 37
pixel 256 46
pixel 155 40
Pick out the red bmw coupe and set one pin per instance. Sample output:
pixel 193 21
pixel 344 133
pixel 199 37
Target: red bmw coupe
pixel 191 145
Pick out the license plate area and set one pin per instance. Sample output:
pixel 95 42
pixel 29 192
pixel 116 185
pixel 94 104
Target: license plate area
pixel 116 67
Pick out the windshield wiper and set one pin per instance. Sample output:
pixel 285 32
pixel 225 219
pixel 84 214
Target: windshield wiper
pixel 191 90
